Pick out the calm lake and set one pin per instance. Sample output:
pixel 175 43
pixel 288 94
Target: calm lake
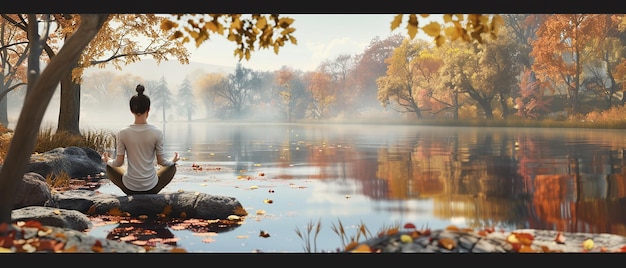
pixel 289 176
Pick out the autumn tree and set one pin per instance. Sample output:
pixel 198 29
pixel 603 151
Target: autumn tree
pixel 208 85
pixel 370 65
pixel 186 100
pixel 13 53
pixel 36 102
pixel 610 53
pixel 322 93
pixel 483 71
pixel 399 89
pixel 564 48
pixel 239 94
pixel 532 102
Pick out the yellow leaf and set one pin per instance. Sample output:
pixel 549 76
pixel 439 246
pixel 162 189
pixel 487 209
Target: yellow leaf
pixel 406 239
pixel 412 26
pixel 432 29
pixel 397 20
pixel 260 212
pixel 588 244
pixel 57 212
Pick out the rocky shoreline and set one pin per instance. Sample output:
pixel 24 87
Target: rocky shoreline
pixel 33 238
pixel 469 241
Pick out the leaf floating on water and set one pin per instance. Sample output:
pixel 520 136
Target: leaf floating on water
pixel 254 187
pixel 260 212
pixel 268 201
pixel 264 234
pixel 242 236
pixel 348 196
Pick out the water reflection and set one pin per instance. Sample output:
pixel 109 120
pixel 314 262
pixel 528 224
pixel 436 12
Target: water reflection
pixel 559 179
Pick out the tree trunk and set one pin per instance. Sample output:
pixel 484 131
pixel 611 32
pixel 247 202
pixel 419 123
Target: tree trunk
pixel 69 110
pixel 4 117
pixel 35 105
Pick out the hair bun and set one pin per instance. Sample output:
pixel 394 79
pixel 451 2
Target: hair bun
pixel 140 89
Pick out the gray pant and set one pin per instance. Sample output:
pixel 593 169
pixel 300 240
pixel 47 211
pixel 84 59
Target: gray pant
pixel 165 174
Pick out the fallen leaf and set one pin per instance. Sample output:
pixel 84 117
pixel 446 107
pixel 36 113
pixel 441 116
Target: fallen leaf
pixel 588 244
pixel 406 239
pixel 264 234
pixel 560 238
pixel 362 248
pixel 447 243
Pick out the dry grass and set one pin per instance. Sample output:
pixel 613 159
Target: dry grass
pixel 97 140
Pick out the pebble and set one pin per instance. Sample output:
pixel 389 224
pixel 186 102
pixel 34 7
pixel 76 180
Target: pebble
pixel 469 241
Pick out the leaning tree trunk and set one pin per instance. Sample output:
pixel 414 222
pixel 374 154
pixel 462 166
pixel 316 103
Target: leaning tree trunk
pixel 35 105
pixel 69 111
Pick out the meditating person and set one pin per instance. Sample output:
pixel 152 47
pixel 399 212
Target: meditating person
pixel 141 143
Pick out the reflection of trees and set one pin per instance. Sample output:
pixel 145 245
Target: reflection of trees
pixel 497 178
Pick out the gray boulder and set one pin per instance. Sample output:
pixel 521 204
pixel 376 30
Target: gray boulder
pixel 77 162
pixel 178 204
pixel 56 217
pixel 32 191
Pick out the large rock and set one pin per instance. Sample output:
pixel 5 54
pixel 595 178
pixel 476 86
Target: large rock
pixel 32 191
pixel 49 216
pixel 175 205
pixel 77 162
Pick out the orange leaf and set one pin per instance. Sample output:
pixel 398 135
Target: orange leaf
pixel 447 243
pixel 362 248
pixel 526 249
pixel 167 210
pixel 452 228
pixel 351 246
pixel 115 212
pixel 97 247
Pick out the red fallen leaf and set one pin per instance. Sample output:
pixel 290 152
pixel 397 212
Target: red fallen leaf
pixel 32 223
pixel 560 238
pixel 524 238
pixel 622 249
pixel 409 226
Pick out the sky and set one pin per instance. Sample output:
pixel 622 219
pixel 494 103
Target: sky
pixel 320 37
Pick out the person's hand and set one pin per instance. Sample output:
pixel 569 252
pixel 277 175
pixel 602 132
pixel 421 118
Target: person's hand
pixel 175 158
pixel 105 157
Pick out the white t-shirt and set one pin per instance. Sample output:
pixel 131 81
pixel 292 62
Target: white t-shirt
pixel 141 143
